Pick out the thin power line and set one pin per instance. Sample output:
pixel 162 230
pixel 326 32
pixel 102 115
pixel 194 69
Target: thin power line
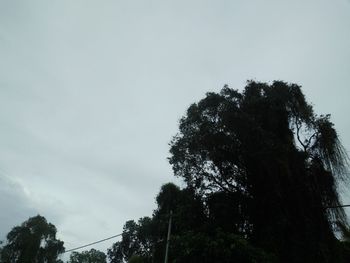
pixel 93 243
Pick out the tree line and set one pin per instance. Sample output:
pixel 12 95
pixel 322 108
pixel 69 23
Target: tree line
pixel 261 171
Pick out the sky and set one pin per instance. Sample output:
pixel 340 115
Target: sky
pixel 91 93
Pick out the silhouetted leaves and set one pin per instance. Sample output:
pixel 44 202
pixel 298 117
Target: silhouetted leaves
pixel 91 256
pixel 261 172
pixel 32 242
pixel 265 146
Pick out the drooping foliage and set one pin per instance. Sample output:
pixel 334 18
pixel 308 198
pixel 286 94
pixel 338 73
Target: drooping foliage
pixel 34 241
pixel 261 172
pixel 274 162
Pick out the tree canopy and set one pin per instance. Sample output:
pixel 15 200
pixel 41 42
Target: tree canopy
pixel 34 241
pixel 195 237
pixel 278 162
pixel 262 172
pixel 90 256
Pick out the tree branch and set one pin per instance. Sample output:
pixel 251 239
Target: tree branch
pixel 298 131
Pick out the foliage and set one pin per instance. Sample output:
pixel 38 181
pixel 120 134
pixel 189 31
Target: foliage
pixel 278 162
pixel 137 259
pixel 34 241
pixel 216 246
pixel 136 241
pixel 91 256
pixel 195 237
pixel 261 172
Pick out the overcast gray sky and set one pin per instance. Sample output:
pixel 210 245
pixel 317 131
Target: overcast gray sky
pixel 91 93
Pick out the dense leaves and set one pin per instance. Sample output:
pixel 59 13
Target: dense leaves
pixel 91 256
pixel 32 242
pixel 216 246
pixel 137 240
pixel 261 172
pixel 267 147
pixel 200 233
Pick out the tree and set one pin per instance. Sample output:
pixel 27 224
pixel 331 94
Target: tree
pixel 91 256
pixel 195 238
pixel 34 241
pixel 136 243
pixel 267 147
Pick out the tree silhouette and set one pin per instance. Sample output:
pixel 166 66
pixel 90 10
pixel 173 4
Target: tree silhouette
pixel 277 160
pixel 195 238
pixel 34 241
pixel 90 256
pixel 137 241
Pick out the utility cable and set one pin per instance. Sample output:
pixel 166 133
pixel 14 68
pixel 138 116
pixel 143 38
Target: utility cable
pixel 93 243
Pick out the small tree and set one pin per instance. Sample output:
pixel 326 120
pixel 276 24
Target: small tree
pixel 34 241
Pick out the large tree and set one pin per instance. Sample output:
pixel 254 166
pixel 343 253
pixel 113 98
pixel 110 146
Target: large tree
pixel 274 162
pixel 34 241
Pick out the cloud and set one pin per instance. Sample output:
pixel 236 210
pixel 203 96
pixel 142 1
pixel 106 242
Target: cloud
pixel 15 205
